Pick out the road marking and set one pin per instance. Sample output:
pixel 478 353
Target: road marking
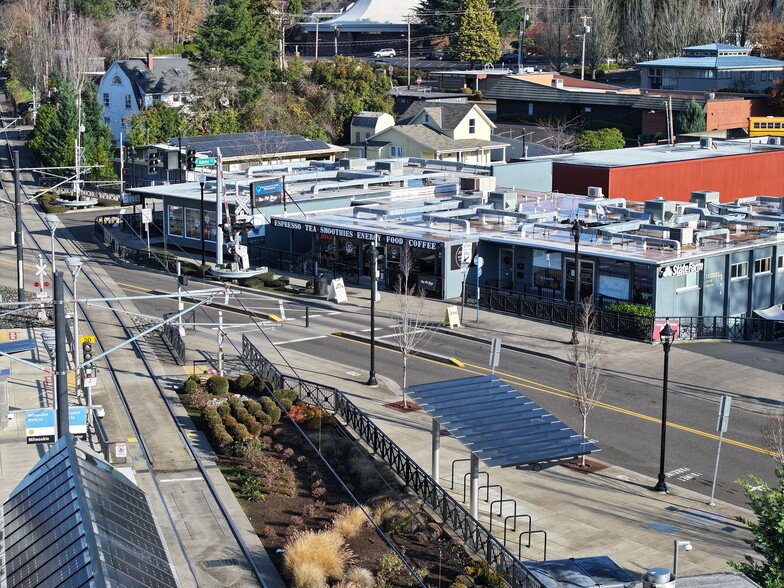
pixel 539 387
pixel 301 340
pixel 180 480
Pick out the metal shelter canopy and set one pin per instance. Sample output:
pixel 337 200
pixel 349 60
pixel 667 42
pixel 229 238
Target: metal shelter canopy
pixel 511 431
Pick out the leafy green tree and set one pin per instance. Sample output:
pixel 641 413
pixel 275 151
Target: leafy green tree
pixel 242 33
pixel 768 532
pixel 155 125
pixel 508 15
pixel 691 119
pixel 600 140
pixel 352 86
pixel 438 17
pixel 477 38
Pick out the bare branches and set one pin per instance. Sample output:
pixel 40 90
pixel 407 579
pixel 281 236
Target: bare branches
pixel 773 435
pixel 411 329
pixel 78 43
pixel 585 372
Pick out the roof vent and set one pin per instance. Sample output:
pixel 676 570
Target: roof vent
pixel 557 83
pixel 657 578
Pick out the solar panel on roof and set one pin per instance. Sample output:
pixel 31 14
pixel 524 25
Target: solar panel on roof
pixel 522 433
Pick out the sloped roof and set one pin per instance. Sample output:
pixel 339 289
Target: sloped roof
pixel 370 16
pixel 716 47
pixel 168 74
pixel 75 521
pixel 262 143
pixel 446 115
pixel 715 62
pixel 434 140
pixel 367 118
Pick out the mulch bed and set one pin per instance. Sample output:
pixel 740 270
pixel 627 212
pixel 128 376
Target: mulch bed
pixel 400 406
pixel 590 466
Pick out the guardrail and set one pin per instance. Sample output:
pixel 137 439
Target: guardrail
pixel 451 512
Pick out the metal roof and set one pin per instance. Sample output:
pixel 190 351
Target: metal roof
pixel 75 521
pixel 509 430
pixel 715 62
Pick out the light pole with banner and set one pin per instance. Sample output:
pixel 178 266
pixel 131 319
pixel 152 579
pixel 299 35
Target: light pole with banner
pixel 373 289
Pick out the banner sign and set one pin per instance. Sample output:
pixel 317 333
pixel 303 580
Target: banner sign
pixel 282 223
pixel 266 192
pixel 39 426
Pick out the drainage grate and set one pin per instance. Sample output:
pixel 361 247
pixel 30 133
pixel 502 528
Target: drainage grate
pixel 220 563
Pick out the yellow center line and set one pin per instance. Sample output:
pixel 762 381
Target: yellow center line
pixel 539 387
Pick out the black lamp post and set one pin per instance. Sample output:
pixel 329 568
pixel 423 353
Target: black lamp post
pixel 577 230
pixel 202 181
pixel 666 335
pixel 373 286
pixel 179 158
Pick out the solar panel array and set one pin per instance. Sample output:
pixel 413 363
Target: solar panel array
pixel 499 424
pixel 75 521
pixel 250 144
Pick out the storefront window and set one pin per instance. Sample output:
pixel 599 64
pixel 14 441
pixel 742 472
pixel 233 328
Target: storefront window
pixel 176 226
pixel 614 278
pixel 642 284
pixel 547 269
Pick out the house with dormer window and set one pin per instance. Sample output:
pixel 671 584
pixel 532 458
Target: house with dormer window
pixel 131 85
pixel 449 132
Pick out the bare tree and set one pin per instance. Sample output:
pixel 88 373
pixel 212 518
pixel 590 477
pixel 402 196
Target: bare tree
pixel 556 18
pixel 126 34
pixel 602 39
pixel 679 24
pixel 411 329
pixel 559 133
pixel 744 15
pixel 180 17
pixel 77 45
pixel 29 32
pixel 773 435
pixel 587 363
pixel 637 30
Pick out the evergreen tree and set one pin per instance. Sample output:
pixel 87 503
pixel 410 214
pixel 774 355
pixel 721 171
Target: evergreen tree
pixel 438 18
pixel 691 119
pixel 599 140
pixel 477 39
pixel 242 33
pixel 156 124
pixel 768 532
pixel 43 121
pixel 97 140
pixel 508 15
pixel 59 141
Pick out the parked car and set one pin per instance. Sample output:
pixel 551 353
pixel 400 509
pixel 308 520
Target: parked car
pixel 510 57
pixel 389 52
pixel 437 54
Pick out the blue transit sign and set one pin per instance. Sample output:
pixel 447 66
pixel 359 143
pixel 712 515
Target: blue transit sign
pixel 77 420
pixel 39 426
pixel 266 192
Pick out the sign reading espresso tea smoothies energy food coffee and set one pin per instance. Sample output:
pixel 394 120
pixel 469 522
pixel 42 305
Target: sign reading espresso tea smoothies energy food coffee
pixel 283 223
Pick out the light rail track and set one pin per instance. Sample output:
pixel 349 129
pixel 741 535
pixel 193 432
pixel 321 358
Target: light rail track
pixel 166 460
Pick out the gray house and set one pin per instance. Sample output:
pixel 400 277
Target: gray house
pixel 705 68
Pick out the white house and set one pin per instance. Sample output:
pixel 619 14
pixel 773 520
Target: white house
pixel 133 84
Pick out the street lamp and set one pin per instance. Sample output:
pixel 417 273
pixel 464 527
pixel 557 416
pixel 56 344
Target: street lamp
pixel 202 181
pixel 75 266
pixel 52 220
pixel 677 544
pixel 577 230
pixel 666 335
pixel 373 286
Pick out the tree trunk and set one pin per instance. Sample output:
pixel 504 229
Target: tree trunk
pixel 585 428
pixel 405 380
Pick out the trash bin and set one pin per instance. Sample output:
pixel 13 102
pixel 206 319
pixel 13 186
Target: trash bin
pixel 320 285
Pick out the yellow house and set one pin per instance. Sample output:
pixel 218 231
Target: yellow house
pixel 449 132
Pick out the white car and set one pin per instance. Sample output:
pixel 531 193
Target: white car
pixel 384 53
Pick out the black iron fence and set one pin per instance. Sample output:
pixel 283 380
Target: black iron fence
pixel 693 328
pixel 452 513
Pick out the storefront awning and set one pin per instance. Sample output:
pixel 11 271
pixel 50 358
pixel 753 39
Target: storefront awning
pixel 774 313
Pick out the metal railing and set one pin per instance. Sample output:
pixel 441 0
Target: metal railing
pixel 451 512
pixel 131 254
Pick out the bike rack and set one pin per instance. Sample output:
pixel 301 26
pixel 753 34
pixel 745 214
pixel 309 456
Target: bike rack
pixel 514 528
pixel 501 511
pixel 487 493
pixel 452 479
pixel 480 473
pixel 529 533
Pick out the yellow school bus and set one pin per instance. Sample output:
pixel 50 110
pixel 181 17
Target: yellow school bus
pixel 760 126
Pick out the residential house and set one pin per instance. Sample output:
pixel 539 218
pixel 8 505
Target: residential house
pixel 134 84
pixel 449 132
pixel 706 68
pixel 364 124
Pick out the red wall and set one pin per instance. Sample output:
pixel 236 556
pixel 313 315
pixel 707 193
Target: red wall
pixel 733 176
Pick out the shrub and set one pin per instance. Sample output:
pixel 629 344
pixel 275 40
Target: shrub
pixel 199 398
pixel 392 572
pixel 272 409
pixel 358 578
pixel 482 575
pixel 268 532
pixel 243 383
pixel 218 385
pixel 224 409
pixel 383 510
pixel 637 309
pixel 326 550
pixel 237 430
pixel 251 488
pixel 351 522
pixel 215 428
pixel 191 385
pixel 308 575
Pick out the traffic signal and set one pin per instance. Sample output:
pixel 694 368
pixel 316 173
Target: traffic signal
pixel 153 161
pixel 191 159
pixel 87 351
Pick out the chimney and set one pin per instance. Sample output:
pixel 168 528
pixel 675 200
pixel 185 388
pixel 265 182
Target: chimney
pixel 150 62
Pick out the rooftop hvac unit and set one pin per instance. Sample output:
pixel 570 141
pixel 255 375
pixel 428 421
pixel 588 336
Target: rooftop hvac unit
pixel 775 141
pixel 704 197
pixel 660 210
pixel 683 235
pixel 503 200
pixel 706 143
pixel 595 192
pixel 353 163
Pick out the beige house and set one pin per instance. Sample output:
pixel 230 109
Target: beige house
pixel 449 132
pixel 366 124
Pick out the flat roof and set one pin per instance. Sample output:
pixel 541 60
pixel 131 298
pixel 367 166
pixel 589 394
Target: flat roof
pixel 667 153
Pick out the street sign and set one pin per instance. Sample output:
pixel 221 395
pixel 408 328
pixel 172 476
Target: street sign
pixel 87 339
pixel 120 450
pixel 479 261
pixel 146 215
pixel 39 426
pixel 204 161
pixel 724 414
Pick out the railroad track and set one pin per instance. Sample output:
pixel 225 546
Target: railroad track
pixel 207 547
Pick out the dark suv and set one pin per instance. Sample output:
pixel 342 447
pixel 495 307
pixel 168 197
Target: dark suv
pixel 510 57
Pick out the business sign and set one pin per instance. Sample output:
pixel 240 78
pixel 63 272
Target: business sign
pixel 39 426
pixel 322 231
pixel 428 283
pixel 266 192
pixel 462 254
pixel 680 269
pixel 337 291
pixel 130 199
pixel 658 325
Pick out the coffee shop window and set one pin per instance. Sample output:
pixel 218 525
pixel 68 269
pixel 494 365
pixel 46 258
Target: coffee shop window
pixel 547 269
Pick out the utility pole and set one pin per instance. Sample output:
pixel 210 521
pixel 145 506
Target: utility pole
pixel 521 45
pixel 586 30
pixel 18 232
pixel 408 53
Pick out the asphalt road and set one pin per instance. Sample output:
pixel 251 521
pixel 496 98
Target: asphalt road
pixel 625 427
